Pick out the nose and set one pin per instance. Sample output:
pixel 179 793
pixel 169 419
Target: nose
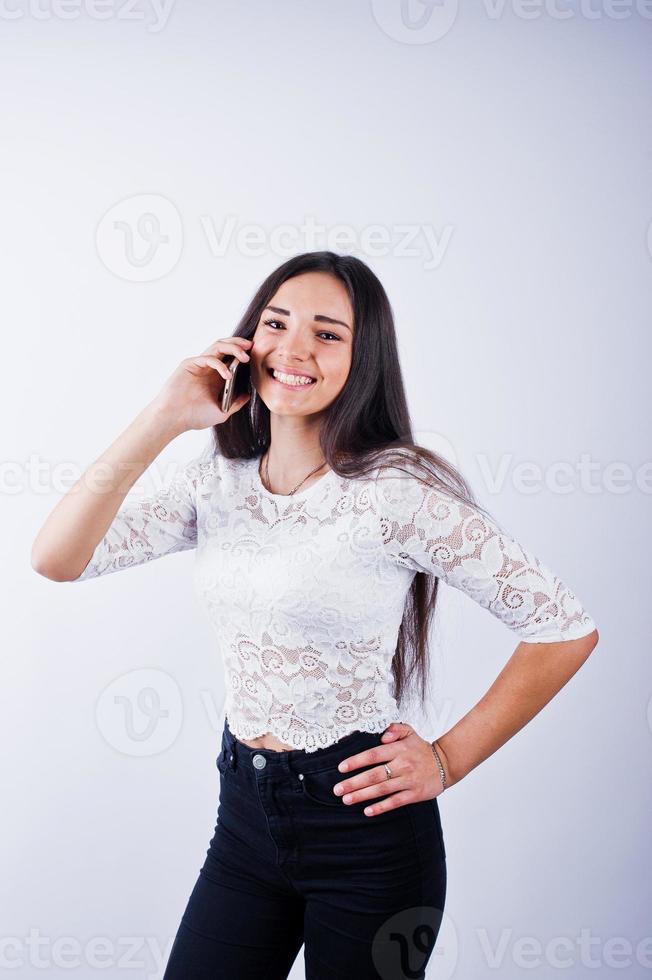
pixel 292 351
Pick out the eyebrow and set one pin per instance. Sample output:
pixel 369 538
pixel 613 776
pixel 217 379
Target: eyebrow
pixel 321 317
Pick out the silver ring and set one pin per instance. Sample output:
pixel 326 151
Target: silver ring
pixel 387 770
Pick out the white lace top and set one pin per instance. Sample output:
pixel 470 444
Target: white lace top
pixel 306 592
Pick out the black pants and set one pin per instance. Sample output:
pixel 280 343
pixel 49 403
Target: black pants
pixel 290 863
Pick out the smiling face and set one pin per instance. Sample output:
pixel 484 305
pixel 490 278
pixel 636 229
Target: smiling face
pixel 306 330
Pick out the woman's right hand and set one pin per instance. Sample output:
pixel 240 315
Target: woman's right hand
pixel 192 395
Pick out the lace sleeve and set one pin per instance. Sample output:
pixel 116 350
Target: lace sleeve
pixel 428 530
pixel 149 527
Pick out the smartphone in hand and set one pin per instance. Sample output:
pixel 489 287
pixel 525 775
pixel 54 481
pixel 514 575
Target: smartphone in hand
pixel 229 385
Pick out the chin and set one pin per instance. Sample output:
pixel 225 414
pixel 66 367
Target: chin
pixel 280 408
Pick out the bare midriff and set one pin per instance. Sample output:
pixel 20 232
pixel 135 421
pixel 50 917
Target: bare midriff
pixel 267 741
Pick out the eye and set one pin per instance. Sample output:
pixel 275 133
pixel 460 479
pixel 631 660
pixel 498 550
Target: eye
pixel 268 323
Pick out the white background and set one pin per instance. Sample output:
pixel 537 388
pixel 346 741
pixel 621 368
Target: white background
pixel 518 140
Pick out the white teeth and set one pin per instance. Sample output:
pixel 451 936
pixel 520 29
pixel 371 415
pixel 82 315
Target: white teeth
pixel 291 379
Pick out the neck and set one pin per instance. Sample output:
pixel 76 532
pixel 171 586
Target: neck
pixel 294 451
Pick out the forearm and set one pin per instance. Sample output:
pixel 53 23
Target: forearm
pixel 531 677
pixel 67 539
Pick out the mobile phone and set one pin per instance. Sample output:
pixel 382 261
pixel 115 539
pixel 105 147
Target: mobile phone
pixel 230 384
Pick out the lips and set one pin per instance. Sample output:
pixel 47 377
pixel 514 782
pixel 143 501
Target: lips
pixel 298 374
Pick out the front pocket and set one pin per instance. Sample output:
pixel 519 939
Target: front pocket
pixel 318 786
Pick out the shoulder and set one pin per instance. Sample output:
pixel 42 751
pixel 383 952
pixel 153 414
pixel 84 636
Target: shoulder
pixel 397 463
pixel 405 485
pixel 210 468
pixel 401 471
pixel 390 483
pixel 202 466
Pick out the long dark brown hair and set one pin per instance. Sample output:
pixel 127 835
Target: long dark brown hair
pixel 367 425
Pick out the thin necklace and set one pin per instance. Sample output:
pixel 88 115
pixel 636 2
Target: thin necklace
pixel 323 463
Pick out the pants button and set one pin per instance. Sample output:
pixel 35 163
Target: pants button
pixel 259 761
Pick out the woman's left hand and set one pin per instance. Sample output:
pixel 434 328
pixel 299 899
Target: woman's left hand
pixel 415 773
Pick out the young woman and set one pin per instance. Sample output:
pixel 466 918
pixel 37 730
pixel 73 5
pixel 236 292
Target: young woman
pixel 321 532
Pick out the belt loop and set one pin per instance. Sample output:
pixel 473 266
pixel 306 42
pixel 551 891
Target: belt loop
pixel 229 748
